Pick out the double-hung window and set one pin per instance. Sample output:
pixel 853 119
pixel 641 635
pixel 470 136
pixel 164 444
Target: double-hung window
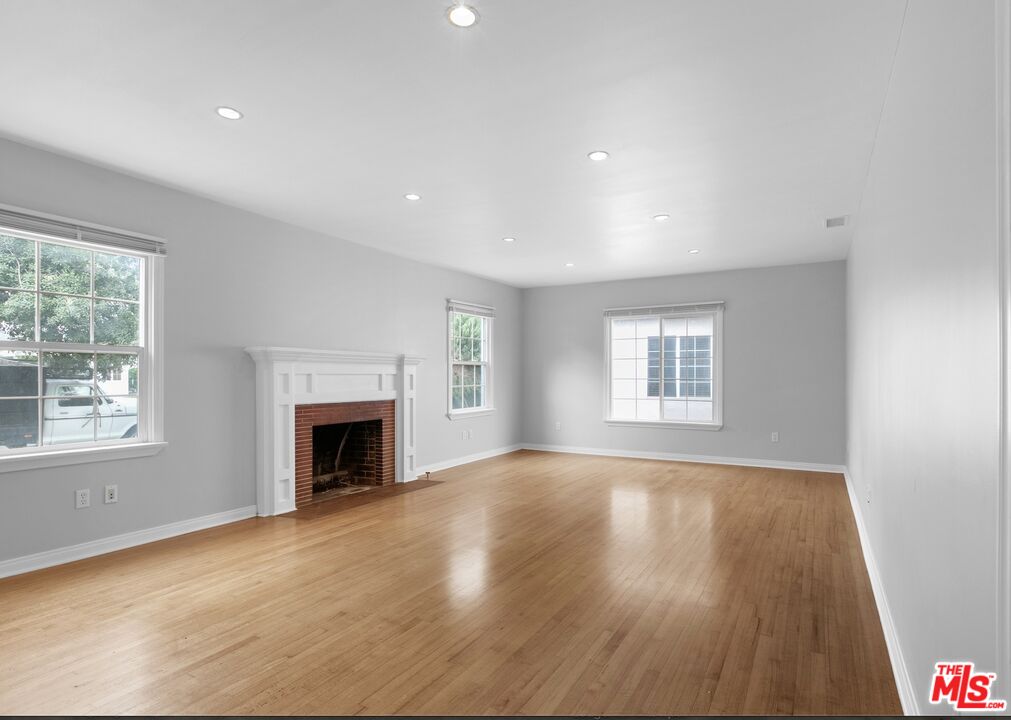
pixel 663 365
pixel 79 329
pixel 470 352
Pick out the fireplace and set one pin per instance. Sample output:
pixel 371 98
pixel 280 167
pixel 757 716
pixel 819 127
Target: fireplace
pixel 341 447
pixel 345 457
pixel 299 388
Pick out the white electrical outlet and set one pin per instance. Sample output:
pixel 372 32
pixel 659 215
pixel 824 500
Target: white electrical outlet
pixel 558 425
pixel 463 434
pixel 775 437
pixel 82 498
pixel 111 494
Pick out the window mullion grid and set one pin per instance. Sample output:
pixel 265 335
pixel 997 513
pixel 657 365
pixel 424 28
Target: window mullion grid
pixel 143 420
pixel 94 355
pixel 677 367
pixel 143 429
pixel 40 347
pixel 481 363
pixel 57 293
pixel 38 295
pixel 40 388
pixel 68 347
pixel 91 298
pixel 662 362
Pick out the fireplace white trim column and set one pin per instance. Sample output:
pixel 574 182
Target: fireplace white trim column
pixel 286 377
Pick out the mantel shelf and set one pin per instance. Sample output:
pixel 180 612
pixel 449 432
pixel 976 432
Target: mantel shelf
pixel 261 353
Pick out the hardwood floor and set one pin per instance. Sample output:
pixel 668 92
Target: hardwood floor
pixel 531 583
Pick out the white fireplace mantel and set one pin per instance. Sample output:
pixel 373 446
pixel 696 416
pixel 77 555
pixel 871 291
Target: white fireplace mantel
pixel 286 377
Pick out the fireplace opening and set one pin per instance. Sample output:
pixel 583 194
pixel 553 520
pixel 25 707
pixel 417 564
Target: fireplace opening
pixel 368 459
pixel 346 458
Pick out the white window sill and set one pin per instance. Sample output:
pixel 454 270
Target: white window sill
pixel 467 414
pixel 665 424
pixel 55 458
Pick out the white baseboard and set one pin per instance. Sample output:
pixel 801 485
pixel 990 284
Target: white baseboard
pixel 712 459
pixel 446 464
pixel 903 684
pixel 27 563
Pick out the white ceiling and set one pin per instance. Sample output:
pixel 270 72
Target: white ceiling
pixel 749 122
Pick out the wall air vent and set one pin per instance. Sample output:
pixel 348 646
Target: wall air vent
pixel 836 221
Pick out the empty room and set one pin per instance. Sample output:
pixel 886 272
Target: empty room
pixel 505 357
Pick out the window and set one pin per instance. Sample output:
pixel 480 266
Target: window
pixel 470 348
pixel 663 365
pixel 77 335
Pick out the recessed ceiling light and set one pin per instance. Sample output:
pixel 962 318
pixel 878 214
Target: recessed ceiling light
pixel 508 239
pixel 412 196
pixel 229 113
pixel 598 155
pixel 570 264
pixel 694 252
pixel 662 217
pixel 463 16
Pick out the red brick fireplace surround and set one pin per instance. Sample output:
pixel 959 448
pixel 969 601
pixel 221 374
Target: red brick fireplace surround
pixel 308 416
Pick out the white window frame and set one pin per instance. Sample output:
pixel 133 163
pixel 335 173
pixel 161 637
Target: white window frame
pixel 661 313
pixel 488 313
pixel 150 439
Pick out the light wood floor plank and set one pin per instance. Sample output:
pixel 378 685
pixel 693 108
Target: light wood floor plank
pixel 533 583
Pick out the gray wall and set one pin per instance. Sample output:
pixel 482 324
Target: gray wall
pixel 923 343
pixel 784 333
pixel 235 279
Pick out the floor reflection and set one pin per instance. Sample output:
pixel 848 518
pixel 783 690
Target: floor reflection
pixel 630 510
pixel 467 574
pixel 659 517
